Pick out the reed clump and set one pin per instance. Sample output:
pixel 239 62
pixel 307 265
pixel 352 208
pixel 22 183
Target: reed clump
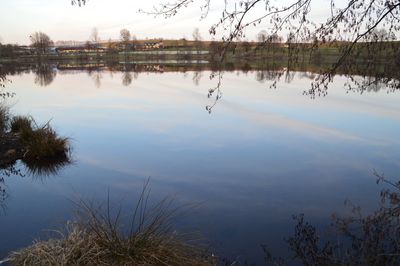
pixel 39 142
pixel 21 124
pixel 100 238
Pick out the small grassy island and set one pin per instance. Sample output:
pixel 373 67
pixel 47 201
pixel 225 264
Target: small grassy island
pixel 38 147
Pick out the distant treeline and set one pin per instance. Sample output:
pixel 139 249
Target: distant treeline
pixel 319 55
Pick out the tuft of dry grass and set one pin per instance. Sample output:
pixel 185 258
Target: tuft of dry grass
pixel 99 238
pixel 42 143
pixel 20 124
pixel 76 247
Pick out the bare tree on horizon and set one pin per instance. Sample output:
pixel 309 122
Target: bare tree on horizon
pixel 40 42
pixel 125 37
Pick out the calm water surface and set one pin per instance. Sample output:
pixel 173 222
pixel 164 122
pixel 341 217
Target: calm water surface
pixel 261 156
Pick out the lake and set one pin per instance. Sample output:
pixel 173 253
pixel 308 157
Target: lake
pixel 260 156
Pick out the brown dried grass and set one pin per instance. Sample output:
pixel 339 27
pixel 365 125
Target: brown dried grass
pixel 99 238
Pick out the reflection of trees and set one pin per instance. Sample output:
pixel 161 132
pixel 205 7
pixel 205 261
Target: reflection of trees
pixel 44 74
pixel 289 76
pixel 361 78
pixel 197 75
pixel 270 75
pixel 353 240
pixel 126 78
pixel 127 75
pixel 2 79
pixel 96 77
pixel 366 84
pixel 307 75
pixel 375 79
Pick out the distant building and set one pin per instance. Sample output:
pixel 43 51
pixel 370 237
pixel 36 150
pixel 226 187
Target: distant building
pixel 153 45
pixel 79 49
pixel 153 68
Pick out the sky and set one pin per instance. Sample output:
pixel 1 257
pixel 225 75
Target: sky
pixel 62 21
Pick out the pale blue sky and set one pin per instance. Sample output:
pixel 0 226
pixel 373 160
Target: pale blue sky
pixel 61 21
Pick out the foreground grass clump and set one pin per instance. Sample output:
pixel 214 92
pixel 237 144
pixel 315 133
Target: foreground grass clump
pixel 82 246
pixel 99 238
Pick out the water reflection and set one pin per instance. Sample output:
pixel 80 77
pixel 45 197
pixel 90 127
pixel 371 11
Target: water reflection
pixel 269 75
pixel 96 76
pixel 2 80
pixel 40 169
pixel 262 156
pixel 44 74
pixel 36 169
pixel 126 78
pixel 371 84
pixel 361 78
pixel 7 170
pixel 354 239
pixel 197 75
